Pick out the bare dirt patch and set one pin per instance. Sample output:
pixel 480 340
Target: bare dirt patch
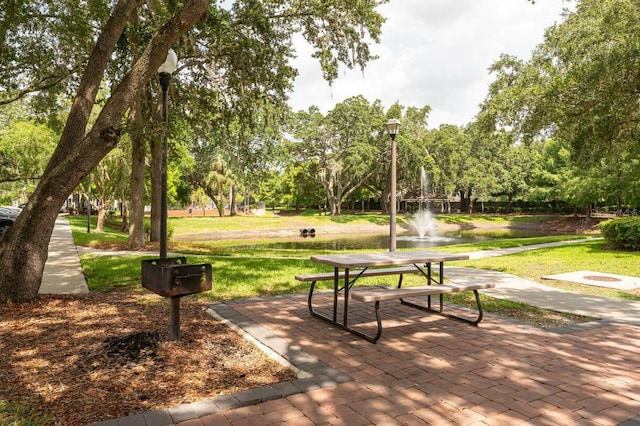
pixel 81 359
pixel 572 225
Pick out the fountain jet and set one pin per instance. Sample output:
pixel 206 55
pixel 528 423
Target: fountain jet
pixel 422 221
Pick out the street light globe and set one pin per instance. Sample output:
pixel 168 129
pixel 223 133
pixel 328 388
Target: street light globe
pixel 169 65
pixel 393 125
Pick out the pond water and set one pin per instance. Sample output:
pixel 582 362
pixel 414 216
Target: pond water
pixel 403 241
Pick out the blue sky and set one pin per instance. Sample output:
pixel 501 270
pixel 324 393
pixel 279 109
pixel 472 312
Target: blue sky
pixel 434 52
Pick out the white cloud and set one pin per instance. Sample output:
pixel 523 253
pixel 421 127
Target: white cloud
pixel 433 52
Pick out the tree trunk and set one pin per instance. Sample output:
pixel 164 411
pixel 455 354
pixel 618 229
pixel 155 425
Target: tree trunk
pixel 101 202
pixel 464 203
pixel 124 211
pixel 232 200
pixel 332 204
pixel 384 201
pixel 221 203
pixel 619 196
pixel 23 249
pixel 136 191
pixel 135 227
pixel 102 214
pixel 338 194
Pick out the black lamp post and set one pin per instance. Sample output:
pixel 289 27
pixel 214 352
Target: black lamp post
pixel 172 277
pixel 164 73
pixel 393 125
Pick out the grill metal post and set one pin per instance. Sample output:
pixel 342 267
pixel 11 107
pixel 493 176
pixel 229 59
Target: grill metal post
pixel 165 80
pixel 175 318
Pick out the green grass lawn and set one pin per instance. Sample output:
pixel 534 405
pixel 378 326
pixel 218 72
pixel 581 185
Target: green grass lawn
pixel 200 224
pixel 590 255
pixel 203 224
pixel 241 270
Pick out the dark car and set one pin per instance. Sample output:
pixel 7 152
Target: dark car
pixel 8 215
pixel 5 223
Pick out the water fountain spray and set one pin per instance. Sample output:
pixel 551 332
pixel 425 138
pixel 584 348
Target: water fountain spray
pixel 422 221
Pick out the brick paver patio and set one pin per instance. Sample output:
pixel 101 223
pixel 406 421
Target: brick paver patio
pixel 431 370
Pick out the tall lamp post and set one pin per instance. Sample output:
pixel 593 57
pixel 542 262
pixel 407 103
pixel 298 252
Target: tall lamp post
pixel 393 125
pixel 171 277
pixel 164 73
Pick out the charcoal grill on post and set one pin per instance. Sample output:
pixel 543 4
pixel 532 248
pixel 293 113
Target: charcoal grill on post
pixel 173 277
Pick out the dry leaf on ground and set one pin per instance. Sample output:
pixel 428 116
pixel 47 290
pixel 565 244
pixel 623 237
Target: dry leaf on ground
pixel 81 359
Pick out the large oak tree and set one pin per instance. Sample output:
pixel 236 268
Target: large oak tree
pixel 78 59
pixel 23 250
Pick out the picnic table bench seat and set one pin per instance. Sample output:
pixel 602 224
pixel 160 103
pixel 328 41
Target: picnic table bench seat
pixel 382 293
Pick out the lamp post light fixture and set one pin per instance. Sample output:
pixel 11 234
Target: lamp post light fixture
pixel 393 125
pixel 164 74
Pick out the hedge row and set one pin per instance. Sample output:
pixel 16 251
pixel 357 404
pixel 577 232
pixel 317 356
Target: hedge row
pixel 622 233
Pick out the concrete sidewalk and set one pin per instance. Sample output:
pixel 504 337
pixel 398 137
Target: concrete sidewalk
pixel 63 273
pixel 511 287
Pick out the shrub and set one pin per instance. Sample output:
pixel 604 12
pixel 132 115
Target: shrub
pixel 622 233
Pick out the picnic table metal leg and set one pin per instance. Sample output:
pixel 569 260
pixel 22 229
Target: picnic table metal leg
pixel 345 313
pixel 317 314
pixel 368 338
pixel 379 321
pixel 429 283
pixel 441 281
pixel 335 294
pixel 309 303
pixel 372 339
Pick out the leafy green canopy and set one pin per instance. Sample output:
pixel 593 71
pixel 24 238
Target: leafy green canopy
pixel 581 85
pixel 25 148
pixel 44 42
pixel 232 87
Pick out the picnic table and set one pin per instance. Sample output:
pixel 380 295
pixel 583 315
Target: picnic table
pixel 352 266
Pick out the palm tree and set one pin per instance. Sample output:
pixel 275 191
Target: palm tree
pixel 220 176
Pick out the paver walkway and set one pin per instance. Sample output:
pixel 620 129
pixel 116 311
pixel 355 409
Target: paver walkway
pixel 431 370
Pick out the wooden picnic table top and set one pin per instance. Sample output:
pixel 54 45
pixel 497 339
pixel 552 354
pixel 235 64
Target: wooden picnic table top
pixel 373 259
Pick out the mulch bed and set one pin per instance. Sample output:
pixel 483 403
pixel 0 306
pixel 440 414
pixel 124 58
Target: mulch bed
pixel 82 359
